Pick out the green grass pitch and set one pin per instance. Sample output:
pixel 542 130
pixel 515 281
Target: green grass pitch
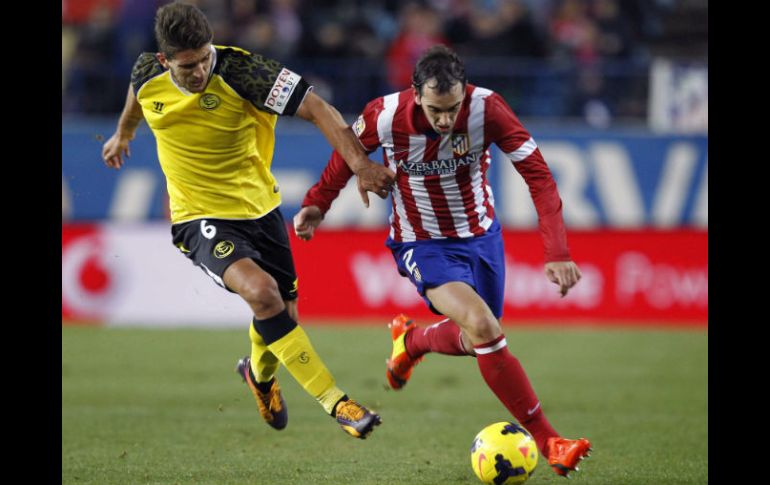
pixel 142 406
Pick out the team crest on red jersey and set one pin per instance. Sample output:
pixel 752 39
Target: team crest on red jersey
pixel 460 144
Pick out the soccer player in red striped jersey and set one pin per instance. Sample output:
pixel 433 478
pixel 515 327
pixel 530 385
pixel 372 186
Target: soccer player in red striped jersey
pixel 444 235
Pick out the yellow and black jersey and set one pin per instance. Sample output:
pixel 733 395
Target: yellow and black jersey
pixel 216 147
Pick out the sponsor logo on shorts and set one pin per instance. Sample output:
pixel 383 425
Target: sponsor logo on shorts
pixel 157 106
pixel 304 358
pixel 282 89
pixel 294 286
pixel 209 101
pixel 417 275
pixel 223 249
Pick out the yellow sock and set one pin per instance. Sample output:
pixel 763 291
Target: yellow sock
pixel 263 363
pixel 296 353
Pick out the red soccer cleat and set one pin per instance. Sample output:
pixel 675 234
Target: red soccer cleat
pixel 564 454
pixel 400 365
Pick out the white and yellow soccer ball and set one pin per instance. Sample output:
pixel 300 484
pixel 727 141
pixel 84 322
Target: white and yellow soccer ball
pixel 504 454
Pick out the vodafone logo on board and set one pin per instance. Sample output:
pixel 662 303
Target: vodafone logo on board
pixel 89 280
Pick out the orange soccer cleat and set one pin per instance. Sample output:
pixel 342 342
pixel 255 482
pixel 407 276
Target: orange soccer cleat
pixel 271 404
pixel 356 420
pixel 400 365
pixel 565 454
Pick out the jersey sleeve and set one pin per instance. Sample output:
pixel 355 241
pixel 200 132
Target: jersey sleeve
pixel 264 82
pixel 146 67
pixel 337 173
pixel 365 126
pixel 507 132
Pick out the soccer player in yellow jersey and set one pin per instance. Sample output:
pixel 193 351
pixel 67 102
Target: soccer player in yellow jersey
pixel 213 111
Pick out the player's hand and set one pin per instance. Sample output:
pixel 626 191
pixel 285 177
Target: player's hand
pixel 114 149
pixel 376 178
pixel 306 220
pixel 566 274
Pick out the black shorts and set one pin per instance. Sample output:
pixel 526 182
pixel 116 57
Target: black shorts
pixel 215 244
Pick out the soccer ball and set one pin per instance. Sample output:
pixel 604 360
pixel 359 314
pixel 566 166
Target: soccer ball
pixel 504 454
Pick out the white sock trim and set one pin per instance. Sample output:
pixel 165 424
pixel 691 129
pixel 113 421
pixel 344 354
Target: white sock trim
pixel 494 348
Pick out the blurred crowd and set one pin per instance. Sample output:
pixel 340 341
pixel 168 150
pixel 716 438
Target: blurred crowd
pixel 582 58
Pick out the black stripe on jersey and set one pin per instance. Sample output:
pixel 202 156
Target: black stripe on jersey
pixel 252 76
pixel 146 67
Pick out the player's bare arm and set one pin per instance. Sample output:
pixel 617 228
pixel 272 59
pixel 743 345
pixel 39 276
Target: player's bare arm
pixel 117 145
pixel 371 176
pixel 566 274
pixel 306 220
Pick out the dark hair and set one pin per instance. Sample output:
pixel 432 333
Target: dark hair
pixel 180 26
pixel 442 63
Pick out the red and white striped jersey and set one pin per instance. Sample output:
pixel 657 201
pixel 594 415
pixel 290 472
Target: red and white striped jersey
pixel 441 188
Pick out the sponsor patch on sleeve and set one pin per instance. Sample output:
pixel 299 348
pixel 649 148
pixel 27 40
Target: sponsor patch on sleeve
pixel 359 126
pixel 282 89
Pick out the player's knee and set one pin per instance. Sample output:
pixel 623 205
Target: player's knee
pixel 262 295
pixel 482 327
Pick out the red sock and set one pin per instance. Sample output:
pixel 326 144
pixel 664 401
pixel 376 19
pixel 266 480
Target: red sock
pixel 442 337
pixel 507 379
